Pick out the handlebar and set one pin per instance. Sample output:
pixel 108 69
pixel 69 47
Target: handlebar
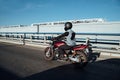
pixel 56 39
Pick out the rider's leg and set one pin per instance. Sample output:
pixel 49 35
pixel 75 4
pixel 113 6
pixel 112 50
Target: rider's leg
pixel 63 48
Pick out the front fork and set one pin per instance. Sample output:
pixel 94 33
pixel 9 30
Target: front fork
pixel 48 52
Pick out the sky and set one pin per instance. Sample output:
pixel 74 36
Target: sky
pixel 16 12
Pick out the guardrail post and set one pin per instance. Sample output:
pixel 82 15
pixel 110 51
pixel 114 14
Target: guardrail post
pixel 119 43
pixel 20 37
pixel 45 39
pixel 31 38
pixel 24 38
pixel 12 36
pixel 96 39
pixel 87 40
pixel 6 36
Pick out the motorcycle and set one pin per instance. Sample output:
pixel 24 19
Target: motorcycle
pixel 77 54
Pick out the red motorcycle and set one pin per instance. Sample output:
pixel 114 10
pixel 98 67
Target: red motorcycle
pixel 77 54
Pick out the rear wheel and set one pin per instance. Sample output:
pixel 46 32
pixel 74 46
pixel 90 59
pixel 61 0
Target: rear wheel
pixel 82 57
pixel 48 54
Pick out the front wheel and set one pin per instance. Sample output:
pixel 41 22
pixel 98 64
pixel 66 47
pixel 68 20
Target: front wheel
pixel 48 54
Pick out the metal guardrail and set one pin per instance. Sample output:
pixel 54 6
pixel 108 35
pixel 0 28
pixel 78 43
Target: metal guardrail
pixel 108 42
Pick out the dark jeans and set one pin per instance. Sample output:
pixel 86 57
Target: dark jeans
pixel 63 48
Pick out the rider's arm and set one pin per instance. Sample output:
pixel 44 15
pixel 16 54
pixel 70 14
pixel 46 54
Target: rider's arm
pixel 73 36
pixel 63 35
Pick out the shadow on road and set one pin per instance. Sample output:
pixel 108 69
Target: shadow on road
pixel 7 75
pixel 102 70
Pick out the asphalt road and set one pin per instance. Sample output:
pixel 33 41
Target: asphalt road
pixel 18 62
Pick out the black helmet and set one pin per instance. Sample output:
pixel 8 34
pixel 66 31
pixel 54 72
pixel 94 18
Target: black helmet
pixel 68 25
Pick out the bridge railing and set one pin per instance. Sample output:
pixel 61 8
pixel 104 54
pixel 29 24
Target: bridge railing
pixel 99 41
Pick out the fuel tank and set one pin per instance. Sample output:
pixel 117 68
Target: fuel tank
pixel 59 43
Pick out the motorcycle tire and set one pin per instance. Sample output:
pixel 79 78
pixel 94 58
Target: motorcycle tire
pixel 83 60
pixel 51 56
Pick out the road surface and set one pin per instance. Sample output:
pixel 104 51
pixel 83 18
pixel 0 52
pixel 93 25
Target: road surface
pixel 18 62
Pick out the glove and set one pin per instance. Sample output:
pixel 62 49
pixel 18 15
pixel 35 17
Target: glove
pixel 55 38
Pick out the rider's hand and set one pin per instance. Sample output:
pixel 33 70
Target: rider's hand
pixel 54 38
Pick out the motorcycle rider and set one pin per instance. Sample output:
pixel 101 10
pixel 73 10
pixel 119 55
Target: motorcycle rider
pixel 69 36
